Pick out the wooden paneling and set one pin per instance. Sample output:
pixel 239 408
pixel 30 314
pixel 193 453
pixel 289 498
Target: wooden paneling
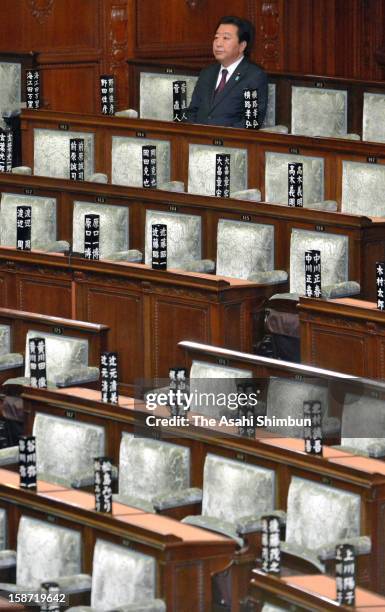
pixel 71 87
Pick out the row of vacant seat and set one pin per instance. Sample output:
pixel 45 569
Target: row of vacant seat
pixel 362 183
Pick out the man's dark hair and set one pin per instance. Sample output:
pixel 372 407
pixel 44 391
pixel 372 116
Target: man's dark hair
pixel 245 30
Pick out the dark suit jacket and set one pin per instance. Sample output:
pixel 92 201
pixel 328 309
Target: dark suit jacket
pixel 227 107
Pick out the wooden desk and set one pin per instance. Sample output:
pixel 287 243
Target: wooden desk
pixel 346 335
pixel 366 235
pixel 286 457
pixel 186 556
pixel 21 322
pixel 148 311
pixel 316 593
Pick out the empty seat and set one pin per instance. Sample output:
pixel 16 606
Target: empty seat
pixel 52 153
pixel 373 123
pixel 156 94
pixel 363 425
pixel 201 168
pixel 235 497
pixel 124 579
pixel 65 450
pixel 277 183
pixel 113 232
pixel 43 221
pixel 154 475
pixel 45 552
pixel 363 188
pixel 127 166
pixel 66 361
pixel 319 112
pixel 319 518
pixel 10 88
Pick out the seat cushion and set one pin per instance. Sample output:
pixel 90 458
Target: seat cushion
pixel 43 219
pixel 127 167
pixel 114 227
pixel 276 177
pixel 334 257
pixel 363 188
pixel 156 94
pixel 244 248
pixel 318 112
pixel 184 237
pixel 201 168
pixel 52 153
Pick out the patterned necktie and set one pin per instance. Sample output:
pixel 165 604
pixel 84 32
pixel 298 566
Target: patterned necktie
pixel 222 82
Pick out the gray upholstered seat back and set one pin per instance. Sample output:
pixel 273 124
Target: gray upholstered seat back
pixel 285 397
pixel 363 189
pixel 363 421
pixel 233 490
pixel 114 226
pixel 209 378
pixel 318 112
pixel 148 468
pixel 65 448
pixel 201 168
pixel 272 608
pixel 127 167
pixel 156 94
pixel 334 250
pixel 244 248
pixel 63 354
pixel 319 515
pixel 373 124
pixel 276 177
pixel 184 237
pixel 269 120
pixel 52 153
pixel 5 339
pixel 46 552
pixel 10 87
pixel 3 529
pixel 121 576
pixel 43 219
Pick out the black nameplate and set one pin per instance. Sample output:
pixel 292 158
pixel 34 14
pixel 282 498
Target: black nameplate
pixel 245 218
pixel 294 150
pixel 64 126
pixel 173 208
pixel 50 518
pixel 57 330
pixel 100 200
pixel 326 480
pixel 298 377
pixel 240 456
pixel 222 361
pixel 69 414
pixel 126 543
pixel 169 70
pixel 32 97
pixel 141 134
pixel 218 142
pixel 319 228
pixel 320 84
pixel 28 191
pixel 371 159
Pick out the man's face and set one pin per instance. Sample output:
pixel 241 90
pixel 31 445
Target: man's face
pixel 226 46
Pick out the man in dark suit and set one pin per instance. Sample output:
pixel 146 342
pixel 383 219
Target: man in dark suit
pixel 218 95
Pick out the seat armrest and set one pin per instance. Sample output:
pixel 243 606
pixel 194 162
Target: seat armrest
pixel 271 277
pixel 339 290
pixel 9 455
pixel 151 605
pixel 22 170
pixel 253 195
pixel 11 360
pixel 350 136
pixel 78 377
pixel 176 186
pixel 59 246
pixel 130 113
pixel 276 129
pixel 331 425
pixel 205 266
pixel 132 255
pixel 362 546
pixel 175 499
pixel 328 205
pixel 98 177
pixel 7 558
pixel 78 583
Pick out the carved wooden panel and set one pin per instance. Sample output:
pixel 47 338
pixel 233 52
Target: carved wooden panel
pixel 45 296
pixel 269 34
pixel 71 87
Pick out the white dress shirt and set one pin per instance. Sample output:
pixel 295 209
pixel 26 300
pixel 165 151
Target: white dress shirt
pixel 230 70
